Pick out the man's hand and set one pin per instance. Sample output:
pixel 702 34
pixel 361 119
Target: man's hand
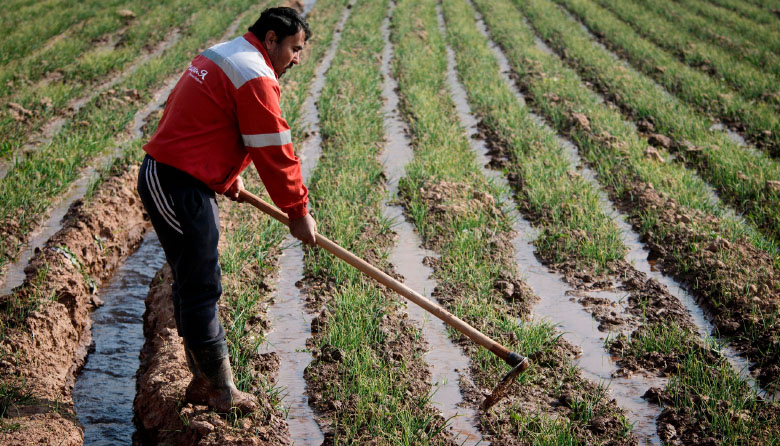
pixel 235 189
pixel 304 229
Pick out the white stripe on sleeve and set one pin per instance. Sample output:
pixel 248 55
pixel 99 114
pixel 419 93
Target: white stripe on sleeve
pixel 260 140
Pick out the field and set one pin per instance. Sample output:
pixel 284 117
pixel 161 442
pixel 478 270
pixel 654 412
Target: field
pixel 592 183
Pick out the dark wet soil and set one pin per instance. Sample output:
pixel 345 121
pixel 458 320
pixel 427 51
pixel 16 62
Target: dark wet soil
pixel 46 319
pixel 400 349
pixel 163 417
pixel 551 389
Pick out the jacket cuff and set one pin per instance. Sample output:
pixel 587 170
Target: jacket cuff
pixel 297 211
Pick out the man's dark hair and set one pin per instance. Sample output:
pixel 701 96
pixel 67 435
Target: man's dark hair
pixel 283 21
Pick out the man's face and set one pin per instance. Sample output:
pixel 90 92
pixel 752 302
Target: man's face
pixel 285 53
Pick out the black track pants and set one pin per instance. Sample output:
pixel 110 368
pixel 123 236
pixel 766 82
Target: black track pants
pixel 185 216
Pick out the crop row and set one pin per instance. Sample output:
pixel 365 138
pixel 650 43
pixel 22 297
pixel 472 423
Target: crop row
pixel 75 80
pixel 752 83
pixel 754 51
pixel 758 119
pixel 744 178
pixel 762 12
pixel 368 379
pixel 668 204
pixel 451 203
pixel 695 359
pixel 26 29
pixel 34 182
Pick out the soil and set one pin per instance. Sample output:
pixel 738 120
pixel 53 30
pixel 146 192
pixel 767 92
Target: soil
pixel 161 414
pixel 648 301
pixel 45 348
pixel 736 282
pixel 549 389
pixel 163 417
pixel 400 349
pixel 733 280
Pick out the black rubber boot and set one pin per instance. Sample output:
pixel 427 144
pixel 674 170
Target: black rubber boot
pixel 214 386
pixel 196 392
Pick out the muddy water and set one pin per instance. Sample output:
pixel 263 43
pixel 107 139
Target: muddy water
pixel 290 320
pixel 577 325
pixel 104 388
pixel 638 255
pixel 446 361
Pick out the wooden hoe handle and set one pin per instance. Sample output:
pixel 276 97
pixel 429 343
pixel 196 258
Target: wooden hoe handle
pixel 511 358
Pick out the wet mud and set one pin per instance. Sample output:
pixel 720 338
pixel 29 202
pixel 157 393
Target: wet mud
pixel 105 386
pixel 46 319
pixel 289 315
pixel 446 361
pixel 162 415
pixel 401 348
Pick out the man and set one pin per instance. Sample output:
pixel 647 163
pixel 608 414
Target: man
pixel 223 113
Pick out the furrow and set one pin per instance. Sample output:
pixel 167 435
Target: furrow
pixel 74 77
pixel 452 203
pixel 748 15
pixel 684 14
pixel 45 325
pixel 572 320
pixel 444 359
pixel 46 133
pixel 665 294
pixel 368 358
pixel 707 95
pixel 576 112
pixel 723 69
pixel 289 317
pixel 29 189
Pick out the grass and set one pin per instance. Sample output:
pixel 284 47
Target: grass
pixel 26 29
pixel 707 386
pixel 705 94
pixel 471 260
pixel 373 390
pixel 754 84
pixel 752 17
pixel 563 205
pixel 33 183
pixel 66 51
pixel 247 258
pixel 685 14
pixel 615 151
pixel 739 175
pixel 80 75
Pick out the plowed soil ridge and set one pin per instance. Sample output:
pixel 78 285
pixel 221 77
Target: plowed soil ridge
pixel 162 415
pixel 46 320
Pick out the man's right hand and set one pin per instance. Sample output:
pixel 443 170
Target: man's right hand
pixel 304 229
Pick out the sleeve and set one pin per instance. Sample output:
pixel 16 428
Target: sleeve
pixel 268 141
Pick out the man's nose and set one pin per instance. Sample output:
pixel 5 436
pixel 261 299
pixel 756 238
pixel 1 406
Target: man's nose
pixel 296 58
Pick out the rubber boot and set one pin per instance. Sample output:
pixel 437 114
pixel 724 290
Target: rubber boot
pixel 196 392
pixel 221 395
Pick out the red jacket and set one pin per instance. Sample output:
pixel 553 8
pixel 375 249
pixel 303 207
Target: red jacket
pixel 224 112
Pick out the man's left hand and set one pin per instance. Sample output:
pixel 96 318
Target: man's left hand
pixel 235 189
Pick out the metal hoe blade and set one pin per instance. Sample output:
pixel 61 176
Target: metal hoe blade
pixel 503 387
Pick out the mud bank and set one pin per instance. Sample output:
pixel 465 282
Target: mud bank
pixel 400 350
pixel 163 417
pixel 46 321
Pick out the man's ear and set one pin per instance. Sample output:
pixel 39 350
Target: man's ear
pixel 270 37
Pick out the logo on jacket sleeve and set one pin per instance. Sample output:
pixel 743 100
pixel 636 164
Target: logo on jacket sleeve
pixel 198 75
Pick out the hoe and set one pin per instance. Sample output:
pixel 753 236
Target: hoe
pixel 516 361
